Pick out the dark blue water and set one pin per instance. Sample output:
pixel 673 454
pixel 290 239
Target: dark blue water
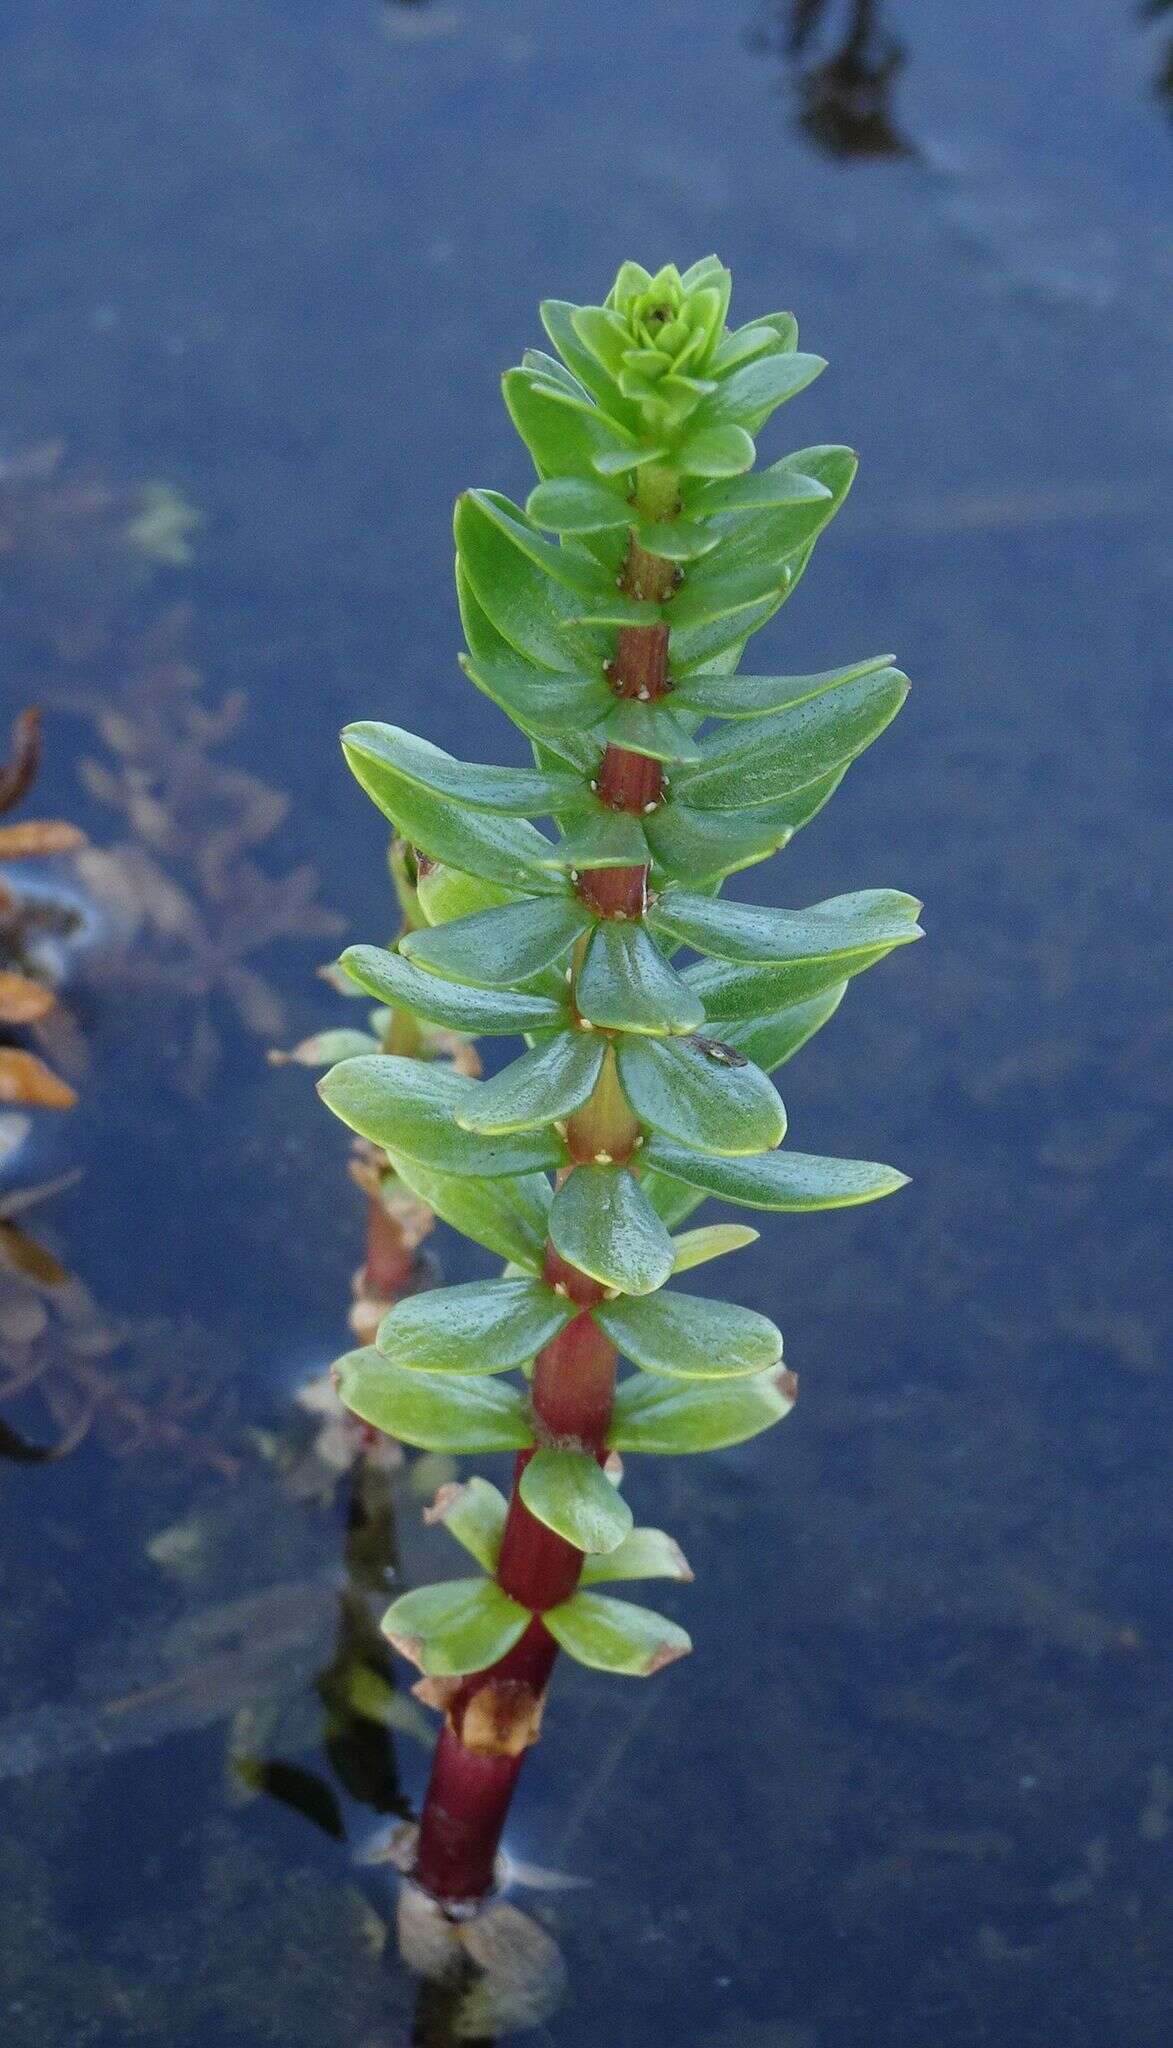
pixel 913 1787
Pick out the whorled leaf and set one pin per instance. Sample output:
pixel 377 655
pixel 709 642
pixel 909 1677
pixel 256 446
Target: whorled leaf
pixel 547 1083
pixel 434 1411
pixel 643 1554
pixel 570 1493
pixel 615 1635
pixel 457 1626
pixel 485 1326
pixel 702 1093
pixel 480 1012
pixel 508 1216
pixel 410 1106
pixel 602 1222
pixel 625 984
pixel 687 1337
pixel 778 1180
pixel 671 1418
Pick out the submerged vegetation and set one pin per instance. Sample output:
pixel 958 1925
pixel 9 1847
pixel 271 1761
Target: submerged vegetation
pixel 645 1086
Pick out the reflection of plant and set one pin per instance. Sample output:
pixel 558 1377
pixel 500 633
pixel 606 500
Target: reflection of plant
pixel 1153 10
pixel 645 1086
pixel 55 1347
pixel 188 905
pixel 26 999
pixel 844 98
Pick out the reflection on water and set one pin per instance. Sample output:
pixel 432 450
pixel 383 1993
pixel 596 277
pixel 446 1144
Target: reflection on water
pixel 844 65
pixel 1153 10
pixel 914 1779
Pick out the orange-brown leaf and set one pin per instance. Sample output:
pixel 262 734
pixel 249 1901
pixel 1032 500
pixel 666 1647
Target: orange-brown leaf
pixel 39 836
pixel 22 1001
pixel 27 1080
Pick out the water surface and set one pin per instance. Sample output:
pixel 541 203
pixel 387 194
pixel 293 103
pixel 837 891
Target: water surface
pixel 913 1787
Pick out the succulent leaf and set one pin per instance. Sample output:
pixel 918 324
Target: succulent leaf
pixel 615 1635
pixel 687 1337
pixel 778 1180
pixel 434 1411
pixel 602 1222
pixel 570 1493
pixel 484 1327
pixel 460 1625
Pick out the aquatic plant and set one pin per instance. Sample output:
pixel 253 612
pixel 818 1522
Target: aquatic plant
pixel 645 1083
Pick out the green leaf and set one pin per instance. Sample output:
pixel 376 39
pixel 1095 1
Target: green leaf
pixel 529 611
pixel 721 640
pixel 508 1216
pixel 672 1419
pixel 756 339
pixel 566 566
pixel 750 394
pixel 409 1107
pixel 480 1012
pixel 687 1337
pixel 771 1041
pixel 759 492
pixel 625 984
pixel 692 1090
pixel 651 729
pixel 563 440
pixel 678 540
pixel 716 451
pixel 486 1326
pixel 762 993
pixel 757 761
pixel 670 1199
pixel 434 1411
pixel 615 1635
pixel 715 591
pixel 602 1222
pixel 558 320
pixel 496 947
pixel 740 696
pixel 604 334
pixel 475 1515
pixel 841 926
pixel 778 1180
pixel 547 1083
pixel 614 437
pixel 697 1247
pixel 702 847
pixel 602 839
pixel 643 1554
pixel 577 504
pixel 618 461
pixel 327 1047
pixel 444 893
pixel 505 850
pixel 569 1492
pixel 557 708
pixel 519 792
pixel 458 1626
